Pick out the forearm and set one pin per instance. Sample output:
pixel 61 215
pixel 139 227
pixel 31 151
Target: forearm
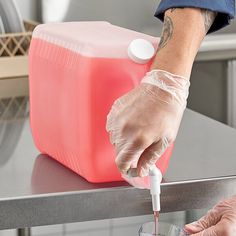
pixel 182 34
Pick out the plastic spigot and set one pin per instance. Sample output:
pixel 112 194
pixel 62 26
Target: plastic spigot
pixel 155 187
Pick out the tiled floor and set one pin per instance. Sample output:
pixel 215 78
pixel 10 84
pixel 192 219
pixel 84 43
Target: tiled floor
pixel 113 227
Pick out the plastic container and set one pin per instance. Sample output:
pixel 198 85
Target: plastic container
pixel 77 70
pixel 164 229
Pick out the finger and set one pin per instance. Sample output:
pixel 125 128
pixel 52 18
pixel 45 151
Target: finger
pixel 151 155
pixel 110 120
pixel 219 229
pixel 126 156
pixel 129 153
pixel 117 107
pixel 210 219
pixel 112 127
pixel 114 137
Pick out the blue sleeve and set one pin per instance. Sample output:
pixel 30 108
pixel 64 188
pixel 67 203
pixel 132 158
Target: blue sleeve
pixel 224 8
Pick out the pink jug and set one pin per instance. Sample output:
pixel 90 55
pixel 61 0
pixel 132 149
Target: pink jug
pixel 77 70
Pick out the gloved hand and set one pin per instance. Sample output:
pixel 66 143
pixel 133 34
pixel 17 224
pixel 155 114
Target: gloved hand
pixel 143 122
pixel 220 221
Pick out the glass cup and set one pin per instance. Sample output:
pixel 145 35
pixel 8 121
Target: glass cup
pixel 163 229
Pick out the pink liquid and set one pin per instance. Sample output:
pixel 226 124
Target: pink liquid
pixel 70 97
pixel 156 217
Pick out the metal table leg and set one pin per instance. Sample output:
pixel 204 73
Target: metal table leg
pixel 231 93
pixel 24 232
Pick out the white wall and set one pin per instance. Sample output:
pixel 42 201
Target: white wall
pixel 132 14
pixel 136 14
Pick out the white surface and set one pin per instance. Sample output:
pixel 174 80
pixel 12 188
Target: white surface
pixel 141 51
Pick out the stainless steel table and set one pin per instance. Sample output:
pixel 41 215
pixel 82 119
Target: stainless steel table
pixel 36 190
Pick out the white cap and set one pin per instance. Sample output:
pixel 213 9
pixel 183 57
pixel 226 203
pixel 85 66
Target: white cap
pixel 141 51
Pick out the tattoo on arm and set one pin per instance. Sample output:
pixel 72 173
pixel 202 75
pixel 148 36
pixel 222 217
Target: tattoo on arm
pixel 168 27
pixel 208 17
pixel 167 32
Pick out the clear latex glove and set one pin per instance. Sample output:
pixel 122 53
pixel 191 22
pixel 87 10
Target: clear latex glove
pixel 143 122
pixel 138 182
pixel 220 221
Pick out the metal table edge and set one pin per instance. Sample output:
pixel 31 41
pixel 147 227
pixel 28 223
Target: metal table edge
pixel 87 205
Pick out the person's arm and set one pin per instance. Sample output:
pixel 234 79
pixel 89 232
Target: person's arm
pixel 145 121
pixel 182 34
